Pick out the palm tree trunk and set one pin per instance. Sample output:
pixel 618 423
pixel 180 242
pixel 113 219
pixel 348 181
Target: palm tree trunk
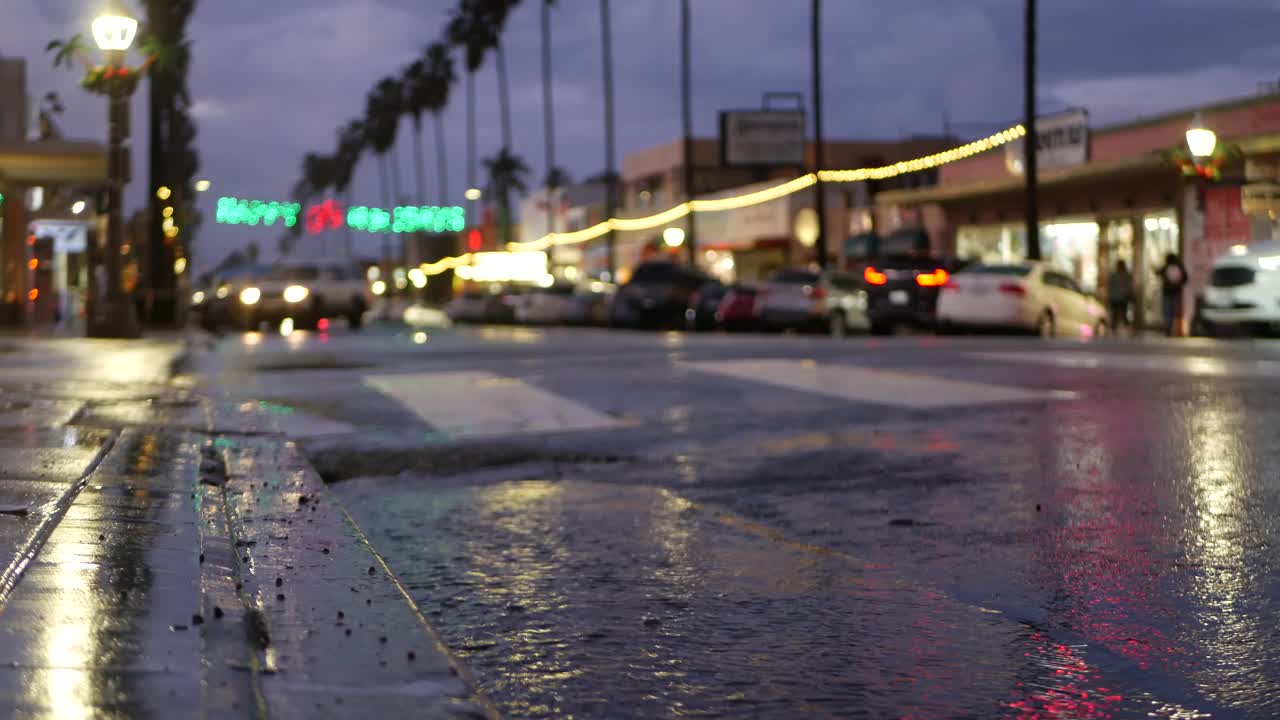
pixel 611 206
pixel 395 177
pixel 442 160
pixel 471 144
pixel 382 184
pixel 419 162
pixel 548 114
pixel 686 108
pixel 346 229
pixel 504 94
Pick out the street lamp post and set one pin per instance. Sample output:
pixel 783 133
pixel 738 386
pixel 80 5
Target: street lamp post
pixel 116 317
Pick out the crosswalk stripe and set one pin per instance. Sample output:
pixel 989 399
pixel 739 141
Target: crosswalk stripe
pixel 883 387
pixel 1185 364
pixel 479 404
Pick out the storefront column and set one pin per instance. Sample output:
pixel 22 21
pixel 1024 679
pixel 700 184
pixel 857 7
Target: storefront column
pixel 1142 274
pixel 12 254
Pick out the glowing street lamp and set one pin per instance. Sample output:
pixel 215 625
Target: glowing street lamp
pixel 1201 141
pixel 114 314
pixel 114 31
pixel 202 185
pixel 473 194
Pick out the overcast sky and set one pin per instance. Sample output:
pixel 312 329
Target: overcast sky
pixel 273 79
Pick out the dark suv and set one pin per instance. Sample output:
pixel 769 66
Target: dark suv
pixel 656 296
pixel 903 289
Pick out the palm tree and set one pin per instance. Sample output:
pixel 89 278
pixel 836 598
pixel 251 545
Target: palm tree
pixel 507 173
pixel 471 30
pixel 611 190
pixel 441 78
pixel 496 12
pixel 416 83
pixel 381 121
pixel 351 144
pixel 554 174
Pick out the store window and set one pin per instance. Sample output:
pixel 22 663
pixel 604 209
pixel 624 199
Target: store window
pixel 1159 238
pixel 1072 247
pixel 991 244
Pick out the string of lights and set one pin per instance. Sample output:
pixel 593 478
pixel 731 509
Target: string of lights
pixel 755 197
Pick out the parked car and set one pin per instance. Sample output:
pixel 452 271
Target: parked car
pixel 215 307
pixel 544 306
pixel 738 309
pixel 306 291
pixel 480 305
pixel 1029 296
pixel 588 306
pixel 904 289
pixel 1244 292
pixel 703 303
pixel 656 296
pixel 808 300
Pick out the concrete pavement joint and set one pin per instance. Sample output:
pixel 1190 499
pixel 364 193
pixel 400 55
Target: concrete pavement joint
pixel 11 575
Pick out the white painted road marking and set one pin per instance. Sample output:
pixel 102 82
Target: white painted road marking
pixel 883 387
pixel 481 404
pixel 1186 364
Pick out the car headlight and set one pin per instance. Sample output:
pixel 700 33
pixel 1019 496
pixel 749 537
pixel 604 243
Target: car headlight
pixel 197 297
pixel 223 292
pixel 250 295
pixel 295 294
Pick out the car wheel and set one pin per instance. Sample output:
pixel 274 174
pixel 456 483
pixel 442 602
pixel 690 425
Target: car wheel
pixel 881 328
pixel 837 326
pixel 1045 327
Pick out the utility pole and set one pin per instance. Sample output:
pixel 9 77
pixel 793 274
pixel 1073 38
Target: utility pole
pixel 1030 141
pixel 686 101
pixel 820 203
pixel 611 203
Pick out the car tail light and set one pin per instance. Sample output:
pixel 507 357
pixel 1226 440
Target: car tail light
pixel 937 278
pixel 1013 289
pixel 874 277
pixel 817 292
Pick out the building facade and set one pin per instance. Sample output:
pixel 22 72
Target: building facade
pixel 48 223
pixel 749 242
pixel 1109 194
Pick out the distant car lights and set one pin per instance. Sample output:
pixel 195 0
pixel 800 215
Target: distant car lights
pixel 330 215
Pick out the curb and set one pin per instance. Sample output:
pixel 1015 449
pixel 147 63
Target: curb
pixel 329 624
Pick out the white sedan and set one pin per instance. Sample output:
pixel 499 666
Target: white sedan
pixel 1023 296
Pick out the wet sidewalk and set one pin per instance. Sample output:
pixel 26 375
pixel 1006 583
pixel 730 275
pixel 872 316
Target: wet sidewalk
pixel 162 555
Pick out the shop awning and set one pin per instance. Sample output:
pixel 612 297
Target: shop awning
pixel 1090 172
pixel 53 161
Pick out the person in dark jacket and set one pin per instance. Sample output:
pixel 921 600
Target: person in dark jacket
pixel 1120 295
pixel 1173 278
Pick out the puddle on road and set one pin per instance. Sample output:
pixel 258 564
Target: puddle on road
pixel 599 600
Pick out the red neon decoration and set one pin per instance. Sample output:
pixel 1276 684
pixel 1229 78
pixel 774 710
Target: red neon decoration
pixel 474 240
pixel 325 216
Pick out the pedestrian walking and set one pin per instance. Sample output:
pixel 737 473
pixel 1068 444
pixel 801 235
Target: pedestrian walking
pixel 1173 278
pixel 1120 295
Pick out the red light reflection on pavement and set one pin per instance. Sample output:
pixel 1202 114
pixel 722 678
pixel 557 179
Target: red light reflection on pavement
pixel 1063 688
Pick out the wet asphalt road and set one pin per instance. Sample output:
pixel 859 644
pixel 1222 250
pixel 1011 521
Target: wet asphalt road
pixel 645 525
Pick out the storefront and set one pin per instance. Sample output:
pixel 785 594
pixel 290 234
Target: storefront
pixel 1114 194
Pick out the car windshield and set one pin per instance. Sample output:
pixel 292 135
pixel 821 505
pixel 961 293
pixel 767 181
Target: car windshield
pixel 655 273
pixel 794 277
pixel 300 273
pixel 1010 270
pixel 914 262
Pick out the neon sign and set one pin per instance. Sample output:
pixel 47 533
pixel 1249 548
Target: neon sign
pixel 234 211
pixel 330 215
pixel 407 218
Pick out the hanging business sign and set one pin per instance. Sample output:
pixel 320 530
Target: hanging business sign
pixel 68 237
pixel 1062 141
pixel 762 138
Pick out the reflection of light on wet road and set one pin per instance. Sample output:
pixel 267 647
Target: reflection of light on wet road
pixel 69 641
